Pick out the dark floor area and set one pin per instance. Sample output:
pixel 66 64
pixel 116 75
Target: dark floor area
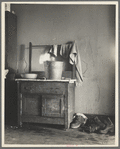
pixel 37 134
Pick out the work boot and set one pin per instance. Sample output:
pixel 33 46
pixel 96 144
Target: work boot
pixel 97 120
pixel 109 127
pixel 77 121
pixel 94 128
pixel 91 128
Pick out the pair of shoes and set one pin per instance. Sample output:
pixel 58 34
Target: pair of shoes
pixel 97 120
pixel 109 127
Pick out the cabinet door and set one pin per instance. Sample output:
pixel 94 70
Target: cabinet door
pixel 53 105
pixel 31 104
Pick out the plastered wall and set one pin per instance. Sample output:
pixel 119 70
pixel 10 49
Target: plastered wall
pixel 93 27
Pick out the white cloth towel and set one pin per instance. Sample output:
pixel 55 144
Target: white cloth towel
pixel 76 60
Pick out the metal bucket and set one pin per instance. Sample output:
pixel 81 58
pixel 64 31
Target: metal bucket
pixel 53 70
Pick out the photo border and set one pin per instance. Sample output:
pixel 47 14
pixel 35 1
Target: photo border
pixel 116 68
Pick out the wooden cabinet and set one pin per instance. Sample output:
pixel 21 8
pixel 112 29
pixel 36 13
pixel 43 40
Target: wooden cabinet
pixel 50 102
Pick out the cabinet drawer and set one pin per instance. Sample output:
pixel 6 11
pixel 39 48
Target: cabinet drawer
pixel 43 87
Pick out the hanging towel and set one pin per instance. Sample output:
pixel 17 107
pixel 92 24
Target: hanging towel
pixel 65 50
pixel 53 50
pixel 75 60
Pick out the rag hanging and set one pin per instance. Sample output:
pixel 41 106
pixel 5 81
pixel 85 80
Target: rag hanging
pixel 74 59
pixel 65 50
pixel 53 50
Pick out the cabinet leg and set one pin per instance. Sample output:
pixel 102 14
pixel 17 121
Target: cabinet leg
pixel 20 124
pixel 67 127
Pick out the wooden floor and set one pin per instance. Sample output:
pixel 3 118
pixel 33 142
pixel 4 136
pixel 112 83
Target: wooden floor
pixel 34 134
